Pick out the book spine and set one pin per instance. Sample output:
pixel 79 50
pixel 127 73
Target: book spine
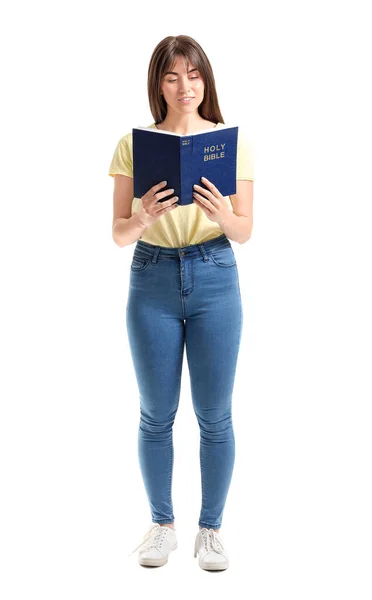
pixel 186 165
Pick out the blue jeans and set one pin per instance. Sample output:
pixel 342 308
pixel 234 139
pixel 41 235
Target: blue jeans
pixel 185 296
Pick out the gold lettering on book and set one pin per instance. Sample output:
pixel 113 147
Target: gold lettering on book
pixel 214 152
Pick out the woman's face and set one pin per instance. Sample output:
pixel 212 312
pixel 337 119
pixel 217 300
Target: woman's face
pixel 180 83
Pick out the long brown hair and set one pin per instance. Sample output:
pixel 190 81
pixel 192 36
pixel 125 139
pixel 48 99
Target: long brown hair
pixel 164 58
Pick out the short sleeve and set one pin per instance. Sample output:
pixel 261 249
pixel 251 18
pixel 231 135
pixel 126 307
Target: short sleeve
pixel 122 161
pixel 244 159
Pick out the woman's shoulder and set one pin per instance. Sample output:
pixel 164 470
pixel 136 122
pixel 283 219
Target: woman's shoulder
pixel 126 139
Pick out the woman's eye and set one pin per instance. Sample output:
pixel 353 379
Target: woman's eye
pixel 172 80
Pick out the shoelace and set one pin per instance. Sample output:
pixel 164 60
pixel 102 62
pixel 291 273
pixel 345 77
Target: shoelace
pixel 211 541
pixel 152 538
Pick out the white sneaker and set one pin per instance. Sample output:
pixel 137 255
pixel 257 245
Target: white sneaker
pixel 158 543
pixel 212 554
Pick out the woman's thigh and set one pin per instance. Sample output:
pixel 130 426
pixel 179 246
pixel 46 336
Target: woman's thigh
pixel 156 335
pixel 213 333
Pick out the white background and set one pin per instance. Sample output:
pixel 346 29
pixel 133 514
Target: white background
pixel 297 522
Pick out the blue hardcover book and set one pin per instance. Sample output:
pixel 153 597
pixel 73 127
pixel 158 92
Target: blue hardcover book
pixel 182 160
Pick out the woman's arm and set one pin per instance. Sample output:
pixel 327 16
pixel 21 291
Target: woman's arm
pixel 238 224
pixel 126 228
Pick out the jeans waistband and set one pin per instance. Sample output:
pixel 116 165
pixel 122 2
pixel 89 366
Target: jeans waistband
pixel 194 250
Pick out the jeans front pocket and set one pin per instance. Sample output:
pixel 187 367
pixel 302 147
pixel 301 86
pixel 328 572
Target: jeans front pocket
pixel 223 257
pixel 139 264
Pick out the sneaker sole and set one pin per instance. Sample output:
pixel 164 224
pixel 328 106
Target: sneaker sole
pixel 217 566
pixel 214 567
pixel 154 562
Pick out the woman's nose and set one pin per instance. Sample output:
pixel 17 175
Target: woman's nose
pixel 184 86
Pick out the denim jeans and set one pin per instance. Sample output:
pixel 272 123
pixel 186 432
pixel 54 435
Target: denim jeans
pixel 178 297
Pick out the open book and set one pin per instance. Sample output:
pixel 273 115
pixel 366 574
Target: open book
pixel 182 160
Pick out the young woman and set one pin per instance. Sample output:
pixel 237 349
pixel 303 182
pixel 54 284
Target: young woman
pixel 184 292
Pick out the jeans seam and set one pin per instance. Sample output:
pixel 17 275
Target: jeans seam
pixel 170 477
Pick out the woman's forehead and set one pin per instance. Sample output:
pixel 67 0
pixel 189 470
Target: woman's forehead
pixel 182 63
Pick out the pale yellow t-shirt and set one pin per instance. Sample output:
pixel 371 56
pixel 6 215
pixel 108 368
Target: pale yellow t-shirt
pixel 184 225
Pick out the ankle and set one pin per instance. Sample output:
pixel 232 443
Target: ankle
pixel 170 525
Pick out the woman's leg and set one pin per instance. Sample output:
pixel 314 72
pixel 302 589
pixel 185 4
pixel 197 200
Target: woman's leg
pixel 156 338
pixel 213 333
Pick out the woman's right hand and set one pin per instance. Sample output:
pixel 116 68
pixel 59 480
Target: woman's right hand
pixel 151 209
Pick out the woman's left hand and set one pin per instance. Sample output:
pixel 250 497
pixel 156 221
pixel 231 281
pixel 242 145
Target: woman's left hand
pixel 213 205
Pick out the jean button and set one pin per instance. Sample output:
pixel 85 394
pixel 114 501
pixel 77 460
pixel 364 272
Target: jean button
pixel 182 253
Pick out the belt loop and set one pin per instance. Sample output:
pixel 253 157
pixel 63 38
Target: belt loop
pixel 203 252
pixel 154 258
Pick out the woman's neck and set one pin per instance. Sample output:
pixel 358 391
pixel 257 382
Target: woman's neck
pixel 185 127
